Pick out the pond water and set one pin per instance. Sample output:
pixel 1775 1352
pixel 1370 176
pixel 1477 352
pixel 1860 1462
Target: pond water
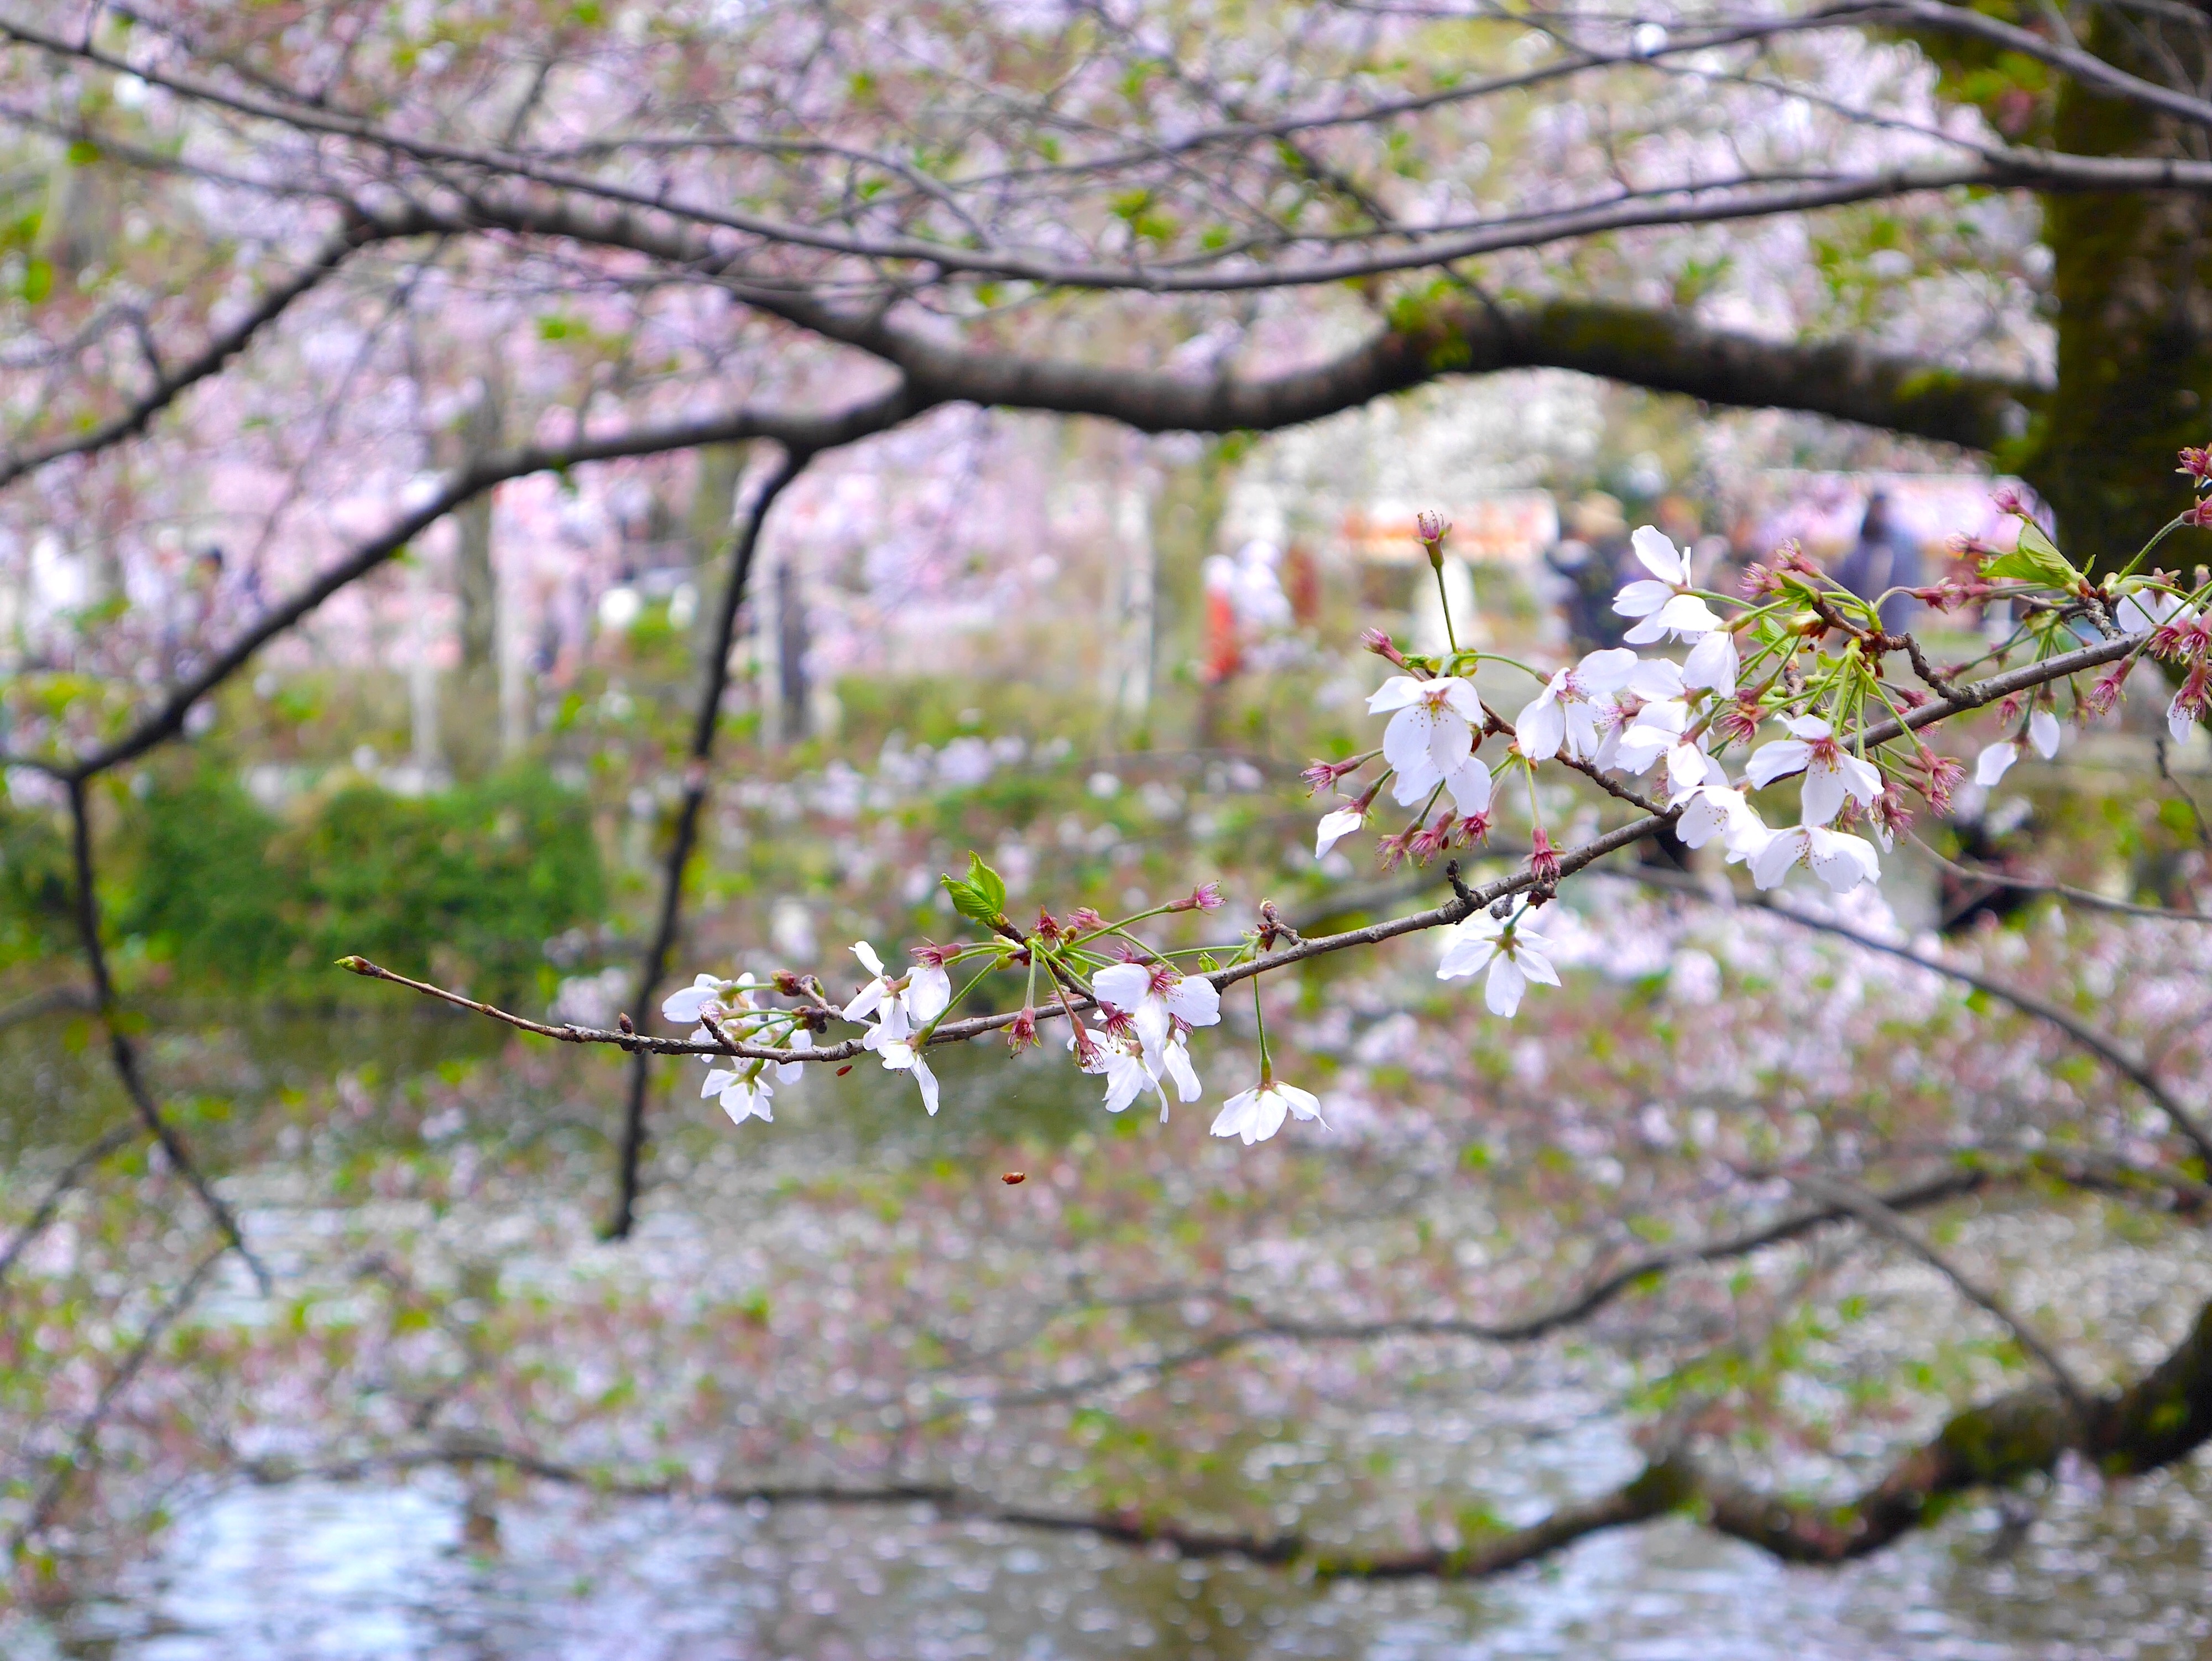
pixel 443 1564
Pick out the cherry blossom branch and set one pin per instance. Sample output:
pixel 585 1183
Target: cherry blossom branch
pixel 705 725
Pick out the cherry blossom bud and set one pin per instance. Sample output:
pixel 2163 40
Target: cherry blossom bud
pixel 1324 774
pixel 1738 720
pixel 1432 527
pixel 2008 711
pixel 1430 840
pixel 1911 696
pixel 1022 1032
pixel 2007 499
pixel 936 957
pixel 787 983
pixel 2196 464
pixel 1758 581
pixel 1379 644
pixel 1543 859
pixel 1083 920
pixel 1206 896
pixel 1891 812
pixel 2105 692
pixel 1940 777
pixel 2199 516
pixel 1792 557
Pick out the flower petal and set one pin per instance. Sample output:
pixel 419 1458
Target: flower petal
pixel 1124 985
pixel 1995 762
pixel 1656 551
pixel 1394 693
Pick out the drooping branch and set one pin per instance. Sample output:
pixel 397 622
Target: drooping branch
pixel 123 1053
pixel 707 723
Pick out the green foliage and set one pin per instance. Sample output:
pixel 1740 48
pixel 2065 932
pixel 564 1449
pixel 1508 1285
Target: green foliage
pixel 482 875
pixel 486 873
pixel 35 893
pixel 205 892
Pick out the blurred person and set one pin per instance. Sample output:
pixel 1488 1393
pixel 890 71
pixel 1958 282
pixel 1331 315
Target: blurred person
pixel 1883 559
pixel 1593 559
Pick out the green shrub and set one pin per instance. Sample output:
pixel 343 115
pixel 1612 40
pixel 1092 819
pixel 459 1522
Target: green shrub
pixel 36 897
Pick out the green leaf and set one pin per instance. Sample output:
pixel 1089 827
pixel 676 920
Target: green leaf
pixel 982 897
pixel 2037 560
pixel 83 153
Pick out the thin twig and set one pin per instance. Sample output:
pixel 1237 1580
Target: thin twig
pixel 2063 891
pixel 71 1174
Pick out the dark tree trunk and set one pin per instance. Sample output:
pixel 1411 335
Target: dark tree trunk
pixel 2134 316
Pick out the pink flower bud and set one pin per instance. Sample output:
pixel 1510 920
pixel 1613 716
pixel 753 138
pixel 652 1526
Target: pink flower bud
pixel 1206 896
pixel 1475 828
pixel 1083 920
pixel 1543 858
pixel 1022 1033
pixel 1379 644
pixel 936 957
pixel 2196 464
pixel 1940 777
pixel 1430 840
pixel 1432 527
pixel 2007 499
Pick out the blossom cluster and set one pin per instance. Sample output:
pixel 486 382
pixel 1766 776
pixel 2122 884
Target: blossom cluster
pixel 1712 700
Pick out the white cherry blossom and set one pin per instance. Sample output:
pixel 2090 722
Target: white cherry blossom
pixel 1431 735
pixel 1995 762
pixel 917 998
pixel 901 1056
pixel 2043 733
pixel 1513 953
pixel 745 1089
pixel 1831 774
pixel 1569 709
pixel 1657 731
pixel 1128 1075
pixel 1710 810
pixel 1836 858
pixel 1662 601
pixel 1256 1115
pixel 1156 995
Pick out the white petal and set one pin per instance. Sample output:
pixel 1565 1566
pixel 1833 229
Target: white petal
pixel 1644 633
pixel 1467 948
pixel 1459 696
pixel 928 990
pixel 1451 741
pixel 871 996
pixel 869 960
pixel 1179 1068
pixel 1778 760
pixel 1405 747
pixel 1686 767
pixel 1824 793
pixel 1994 762
pixel 1535 965
pixel 927 1080
pixel 1772 862
pixel 1469 786
pixel 1641 600
pixel 1861 778
pixel 1333 827
pixel 1193 1001
pixel 1605 671
pixel 1807 726
pixel 1842 861
pixel 1266 1117
pixel 1659 556
pixel 1540 728
pixel 1686 614
pixel 2179 720
pixel 1235 1112
pixel 2043 733
pixel 1396 693
pixel 1304 1104
pixel 1654 679
pixel 1124 985
pixel 1503 990
pixel 1712 663
pixel 719 1079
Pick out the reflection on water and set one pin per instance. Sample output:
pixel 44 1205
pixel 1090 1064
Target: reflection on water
pixel 425 1571
pixel 442 1566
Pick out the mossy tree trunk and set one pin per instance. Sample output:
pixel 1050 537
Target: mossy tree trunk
pixel 2134 317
